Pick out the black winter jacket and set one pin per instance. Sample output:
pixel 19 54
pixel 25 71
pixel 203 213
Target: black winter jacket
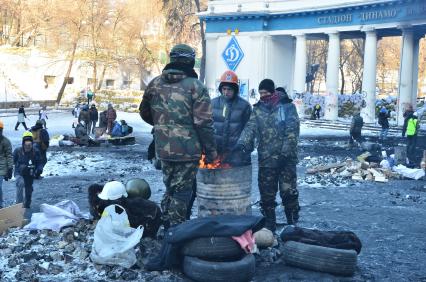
pixel 383 120
pixel 93 112
pixel 229 118
pixel 357 124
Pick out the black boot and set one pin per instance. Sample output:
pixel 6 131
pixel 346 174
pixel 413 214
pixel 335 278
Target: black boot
pixel 270 218
pixel 292 215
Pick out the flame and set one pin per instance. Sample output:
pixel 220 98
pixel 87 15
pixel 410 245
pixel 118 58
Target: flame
pixel 218 163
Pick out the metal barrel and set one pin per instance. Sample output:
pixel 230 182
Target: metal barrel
pixel 224 191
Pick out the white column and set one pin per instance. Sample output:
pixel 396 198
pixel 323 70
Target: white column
pixel 332 79
pixel 299 76
pixel 415 71
pixel 405 74
pixel 369 76
pixel 300 64
pixel 211 66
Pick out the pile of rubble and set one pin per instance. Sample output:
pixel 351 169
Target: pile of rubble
pixel 320 174
pixel 65 256
pixel 329 171
pixel 54 256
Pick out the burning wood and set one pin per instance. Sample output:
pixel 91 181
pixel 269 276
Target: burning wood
pixel 218 163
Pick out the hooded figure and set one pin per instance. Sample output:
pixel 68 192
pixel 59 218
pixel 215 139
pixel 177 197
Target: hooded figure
pixel 230 114
pixel 178 105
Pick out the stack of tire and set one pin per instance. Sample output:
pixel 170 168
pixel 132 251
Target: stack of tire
pixel 217 259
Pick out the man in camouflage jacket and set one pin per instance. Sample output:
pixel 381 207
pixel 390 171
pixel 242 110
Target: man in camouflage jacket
pixel 178 105
pixel 274 123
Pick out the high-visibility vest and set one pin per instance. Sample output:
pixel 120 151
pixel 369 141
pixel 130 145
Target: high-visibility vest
pixel 411 127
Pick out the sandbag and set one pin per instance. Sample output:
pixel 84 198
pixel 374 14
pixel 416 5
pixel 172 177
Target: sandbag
pixel 114 239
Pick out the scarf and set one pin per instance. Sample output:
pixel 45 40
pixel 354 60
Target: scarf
pixel 271 100
pixel 182 67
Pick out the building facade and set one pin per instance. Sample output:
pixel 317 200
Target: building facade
pixel 267 39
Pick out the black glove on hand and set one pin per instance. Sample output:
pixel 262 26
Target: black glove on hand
pixel 8 175
pixel 210 158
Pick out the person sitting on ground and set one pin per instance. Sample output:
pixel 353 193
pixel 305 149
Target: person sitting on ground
pixel 81 135
pixel 356 127
pixel 139 210
pixel 125 128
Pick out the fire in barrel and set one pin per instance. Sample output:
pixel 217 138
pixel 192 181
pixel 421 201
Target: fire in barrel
pixel 223 189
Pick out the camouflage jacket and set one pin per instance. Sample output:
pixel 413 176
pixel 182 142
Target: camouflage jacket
pixel 179 108
pixel 276 130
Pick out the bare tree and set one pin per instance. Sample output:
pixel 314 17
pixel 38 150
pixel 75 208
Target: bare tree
pixel 185 26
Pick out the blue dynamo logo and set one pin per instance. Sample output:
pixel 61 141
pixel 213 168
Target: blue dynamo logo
pixel 233 54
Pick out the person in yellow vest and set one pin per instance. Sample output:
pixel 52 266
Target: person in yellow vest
pixel 410 128
pixel 317 111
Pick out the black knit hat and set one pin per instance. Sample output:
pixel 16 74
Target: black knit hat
pixel 268 85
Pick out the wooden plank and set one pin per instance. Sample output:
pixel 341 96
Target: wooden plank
pixel 12 216
pixel 323 168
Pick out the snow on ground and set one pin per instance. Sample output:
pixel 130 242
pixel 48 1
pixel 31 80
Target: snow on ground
pixel 60 122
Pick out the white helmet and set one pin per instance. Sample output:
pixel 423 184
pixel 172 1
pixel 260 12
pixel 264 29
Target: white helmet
pixel 113 190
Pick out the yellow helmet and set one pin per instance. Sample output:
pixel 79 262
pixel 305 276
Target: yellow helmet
pixel 27 136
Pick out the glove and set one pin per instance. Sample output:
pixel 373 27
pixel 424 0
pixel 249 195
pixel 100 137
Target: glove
pixel 211 157
pixel 8 175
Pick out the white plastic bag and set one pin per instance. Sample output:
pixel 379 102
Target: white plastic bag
pixel 65 213
pixel 413 173
pixel 114 239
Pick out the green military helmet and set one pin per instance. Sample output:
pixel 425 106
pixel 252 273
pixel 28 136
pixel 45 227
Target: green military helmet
pixel 184 54
pixel 137 187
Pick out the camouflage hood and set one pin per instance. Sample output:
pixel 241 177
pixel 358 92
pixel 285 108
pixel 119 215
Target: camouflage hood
pixel 173 76
pixel 175 72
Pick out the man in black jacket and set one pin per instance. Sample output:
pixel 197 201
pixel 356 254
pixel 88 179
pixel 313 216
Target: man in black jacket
pixel 384 123
pixel 356 127
pixel 230 114
pixel 93 112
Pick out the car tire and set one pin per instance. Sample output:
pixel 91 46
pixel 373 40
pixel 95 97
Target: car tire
pixel 207 271
pixel 312 257
pixel 213 249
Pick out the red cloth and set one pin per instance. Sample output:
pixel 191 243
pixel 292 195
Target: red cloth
pixel 272 99
pixel 246 241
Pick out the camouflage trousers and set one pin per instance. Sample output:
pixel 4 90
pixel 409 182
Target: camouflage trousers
pixel 284 178
pixel 178 177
